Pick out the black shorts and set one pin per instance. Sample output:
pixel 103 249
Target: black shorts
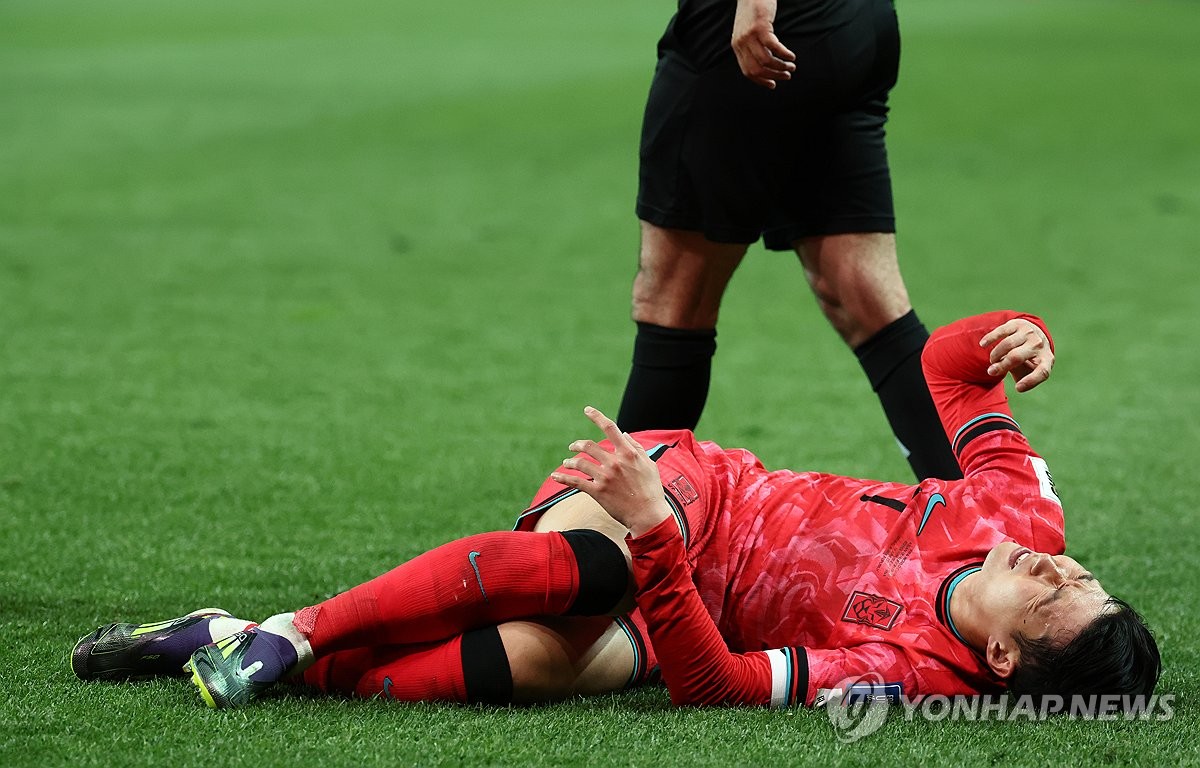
pixel 735 161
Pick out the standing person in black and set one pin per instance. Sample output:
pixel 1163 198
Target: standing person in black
pixel 767 120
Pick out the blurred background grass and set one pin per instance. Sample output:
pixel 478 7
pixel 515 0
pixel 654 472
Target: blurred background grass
pixel 291 292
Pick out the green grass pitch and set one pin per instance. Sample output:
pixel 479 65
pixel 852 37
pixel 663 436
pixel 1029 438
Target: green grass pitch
pixel 290 292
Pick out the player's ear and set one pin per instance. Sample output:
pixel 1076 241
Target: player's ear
pixel 1002 656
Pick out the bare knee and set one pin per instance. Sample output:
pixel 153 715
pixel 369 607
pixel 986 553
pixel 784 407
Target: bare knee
pixel 582 512
pixel 558 657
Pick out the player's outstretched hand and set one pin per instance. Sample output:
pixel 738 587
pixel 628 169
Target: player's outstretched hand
pixel 623 480
pixel 1021 348
pixel 761 56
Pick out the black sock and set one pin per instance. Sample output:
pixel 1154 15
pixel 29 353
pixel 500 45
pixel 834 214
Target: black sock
pixel 603 572
pixel 487 675
pixel 668 383
pixel 892 361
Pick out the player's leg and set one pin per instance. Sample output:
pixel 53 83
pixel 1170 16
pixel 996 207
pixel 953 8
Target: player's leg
pixel 677 293
pixel 518 662
pixel 557 657
pixel 856 279
pixel 472 583
pixel 698 204
pixel 521 661
pixel 581 512
pixel 846 243
pixel 476 581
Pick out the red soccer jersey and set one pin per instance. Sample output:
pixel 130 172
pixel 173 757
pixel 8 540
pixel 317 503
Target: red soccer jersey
pixel 802 580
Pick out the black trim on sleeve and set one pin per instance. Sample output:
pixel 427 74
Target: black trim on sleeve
pixel 801 686
pixel 993 423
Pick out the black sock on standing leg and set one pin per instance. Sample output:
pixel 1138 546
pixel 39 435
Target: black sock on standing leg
pixel 892 361
pixel 668 384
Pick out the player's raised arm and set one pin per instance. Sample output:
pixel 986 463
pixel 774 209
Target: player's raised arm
pixel 965 363
pixel 623 480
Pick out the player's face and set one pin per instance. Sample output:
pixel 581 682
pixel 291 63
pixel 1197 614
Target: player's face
pixel 1038 595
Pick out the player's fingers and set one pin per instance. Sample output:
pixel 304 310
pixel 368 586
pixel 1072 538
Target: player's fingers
pixel 580 464
pixel 571 481
pixel 606 425
pixel 1011 360
pixel 1032 379
pixel 997 333
pixel 779 51
pixel 590 447
pixel 1006 353
pixel 633 445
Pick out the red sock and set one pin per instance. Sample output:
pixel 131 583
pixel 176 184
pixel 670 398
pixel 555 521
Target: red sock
pixel 473 582
pixel 468 668
pixel 425 672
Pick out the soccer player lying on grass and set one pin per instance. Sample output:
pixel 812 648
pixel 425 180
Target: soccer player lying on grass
pixel 751 587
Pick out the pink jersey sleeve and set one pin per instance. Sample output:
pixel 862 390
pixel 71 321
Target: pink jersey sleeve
pixel 696 664
pixel 969 401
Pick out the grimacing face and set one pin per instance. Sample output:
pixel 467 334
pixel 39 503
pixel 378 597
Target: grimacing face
pixel 1037 595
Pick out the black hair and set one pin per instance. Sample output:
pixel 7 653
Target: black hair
pixel 1115 654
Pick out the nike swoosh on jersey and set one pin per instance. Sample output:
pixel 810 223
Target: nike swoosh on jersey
pixel 934 500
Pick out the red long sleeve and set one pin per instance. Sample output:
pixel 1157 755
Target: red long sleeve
pixel 968 399
pixel 696 664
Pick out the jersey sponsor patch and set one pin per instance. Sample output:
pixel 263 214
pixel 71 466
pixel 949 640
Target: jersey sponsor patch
pixel 856 690
pixel 872 610
pixel 1045 481
pixel 683 490
pixel 892 693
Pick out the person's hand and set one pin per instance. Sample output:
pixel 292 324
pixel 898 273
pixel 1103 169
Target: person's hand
pixel 1021 348
pixel 623 480
pixel 763 59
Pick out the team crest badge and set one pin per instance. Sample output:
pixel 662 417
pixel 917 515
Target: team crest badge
pixel 683 490
pixel 872 610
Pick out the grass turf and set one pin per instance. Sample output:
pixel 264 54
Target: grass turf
pixel 289 294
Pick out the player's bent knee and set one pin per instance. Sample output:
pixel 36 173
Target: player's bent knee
pixel 603 573
pixel 581 512
pixel 556 658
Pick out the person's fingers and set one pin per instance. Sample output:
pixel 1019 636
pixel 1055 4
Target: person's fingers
pixel 1039 374
pixel 633 444
pixel 1013 359
pixel 779 51
pixel 1005 355
pixel 606 425
pixel 997 333
pixel 571 481
pixel 580 464
pixel 598 452
pixel 763 59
